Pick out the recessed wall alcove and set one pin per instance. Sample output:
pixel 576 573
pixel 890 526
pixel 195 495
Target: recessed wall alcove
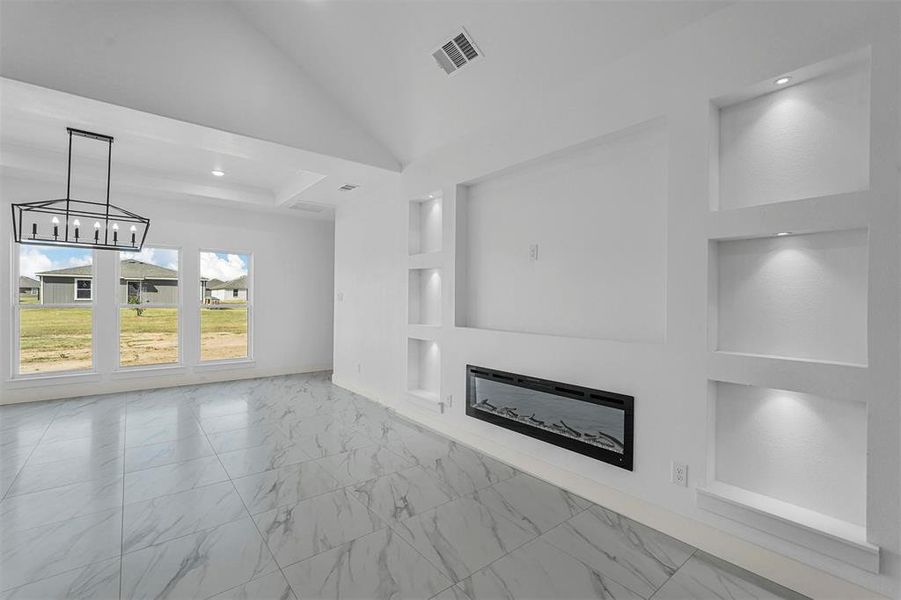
pixel 793 296
pixel 424 370
pixel 802 449
pixel 807 138
pixel 424 297
pixel 570 244
pixel 425 225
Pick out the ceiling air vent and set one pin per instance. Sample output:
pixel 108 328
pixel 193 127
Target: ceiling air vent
pixel 348 187
pixel 307 207
pixel 456 53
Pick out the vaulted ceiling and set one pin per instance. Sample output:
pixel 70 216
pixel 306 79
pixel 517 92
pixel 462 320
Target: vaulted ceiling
pixel 375 59
pixel 353 80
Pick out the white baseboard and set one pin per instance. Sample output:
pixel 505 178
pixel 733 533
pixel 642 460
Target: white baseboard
pixel 37 390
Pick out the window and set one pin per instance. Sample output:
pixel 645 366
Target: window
pixel 83 289
pixel 149 299
pixel 225 313
pixel 54 315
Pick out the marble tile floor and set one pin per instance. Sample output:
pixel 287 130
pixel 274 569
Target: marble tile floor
pixel 292 488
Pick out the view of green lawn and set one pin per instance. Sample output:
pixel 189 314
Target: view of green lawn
pixel 54 339
pixel 223 332
pixel 150 338
pixel 59 339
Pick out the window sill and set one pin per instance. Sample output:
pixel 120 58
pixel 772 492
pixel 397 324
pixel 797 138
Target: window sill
pixel 217 365
pixel 148 371
pixel 23 381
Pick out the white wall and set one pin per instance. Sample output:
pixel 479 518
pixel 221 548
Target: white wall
pixel 800 296
pixel 676 80
pixel 809 451
pixel 597 213
pixel 292 274
pixel 425 226
pixel 425 297
pixel 804 140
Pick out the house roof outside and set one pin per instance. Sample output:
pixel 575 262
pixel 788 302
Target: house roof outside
pixel 28 282
pixel 235 284
pixel 128 269
pixel 212 283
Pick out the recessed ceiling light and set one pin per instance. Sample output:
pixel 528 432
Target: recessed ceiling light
pixel 783 80
pixel 217 172
pixel 782 233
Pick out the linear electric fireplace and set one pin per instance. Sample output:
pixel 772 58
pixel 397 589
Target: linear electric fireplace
pixel 592 422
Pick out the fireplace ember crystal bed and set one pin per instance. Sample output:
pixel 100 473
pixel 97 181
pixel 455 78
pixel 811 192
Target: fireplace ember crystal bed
pixel 588 421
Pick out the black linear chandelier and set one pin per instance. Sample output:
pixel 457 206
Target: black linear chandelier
pixel 59 222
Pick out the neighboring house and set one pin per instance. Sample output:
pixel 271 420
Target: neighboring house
pixel 29 286
pixel 138 282
pixel 207 286
pixel 236 289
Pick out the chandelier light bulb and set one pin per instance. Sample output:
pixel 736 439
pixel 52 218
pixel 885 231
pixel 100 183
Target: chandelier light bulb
pixel 77 223
pixel 55 221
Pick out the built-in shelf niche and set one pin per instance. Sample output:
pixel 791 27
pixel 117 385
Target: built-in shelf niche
pixel 802 449
pixel 424 306
pixel 424 372
pixel 792 464
pixel 425 225
pixel 792 296
pixel 807 138
pixel 572 243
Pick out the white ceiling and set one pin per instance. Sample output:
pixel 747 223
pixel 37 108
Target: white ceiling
pixel 342 91
pixel 157 155
pixel 375 57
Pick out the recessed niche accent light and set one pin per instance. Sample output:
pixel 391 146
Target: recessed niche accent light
pixel 783 233
pixel 217 172
pixel 783 80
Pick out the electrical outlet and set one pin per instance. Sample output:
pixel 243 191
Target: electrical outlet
pixel 450 400
pixel 340 296
pixel 533 252
pixel 679 475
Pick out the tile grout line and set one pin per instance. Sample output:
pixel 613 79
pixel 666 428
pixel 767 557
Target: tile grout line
pixel 252 520
pixel 529 541
pixel 40 439
pixel 122 524
pixel 690 556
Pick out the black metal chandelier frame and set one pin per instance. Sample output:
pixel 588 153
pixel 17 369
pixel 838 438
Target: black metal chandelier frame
pixel 68 207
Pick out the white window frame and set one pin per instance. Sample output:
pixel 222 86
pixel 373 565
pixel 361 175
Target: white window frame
pixel 179 306
pixel 248 303
pixel 14 329
pixel 91 289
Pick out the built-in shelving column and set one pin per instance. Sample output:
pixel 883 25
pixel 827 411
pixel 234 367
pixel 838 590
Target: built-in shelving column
pixel 424 305
pixel 788 310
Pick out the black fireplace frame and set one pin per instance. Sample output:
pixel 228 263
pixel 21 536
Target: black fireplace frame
pixel 583 394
